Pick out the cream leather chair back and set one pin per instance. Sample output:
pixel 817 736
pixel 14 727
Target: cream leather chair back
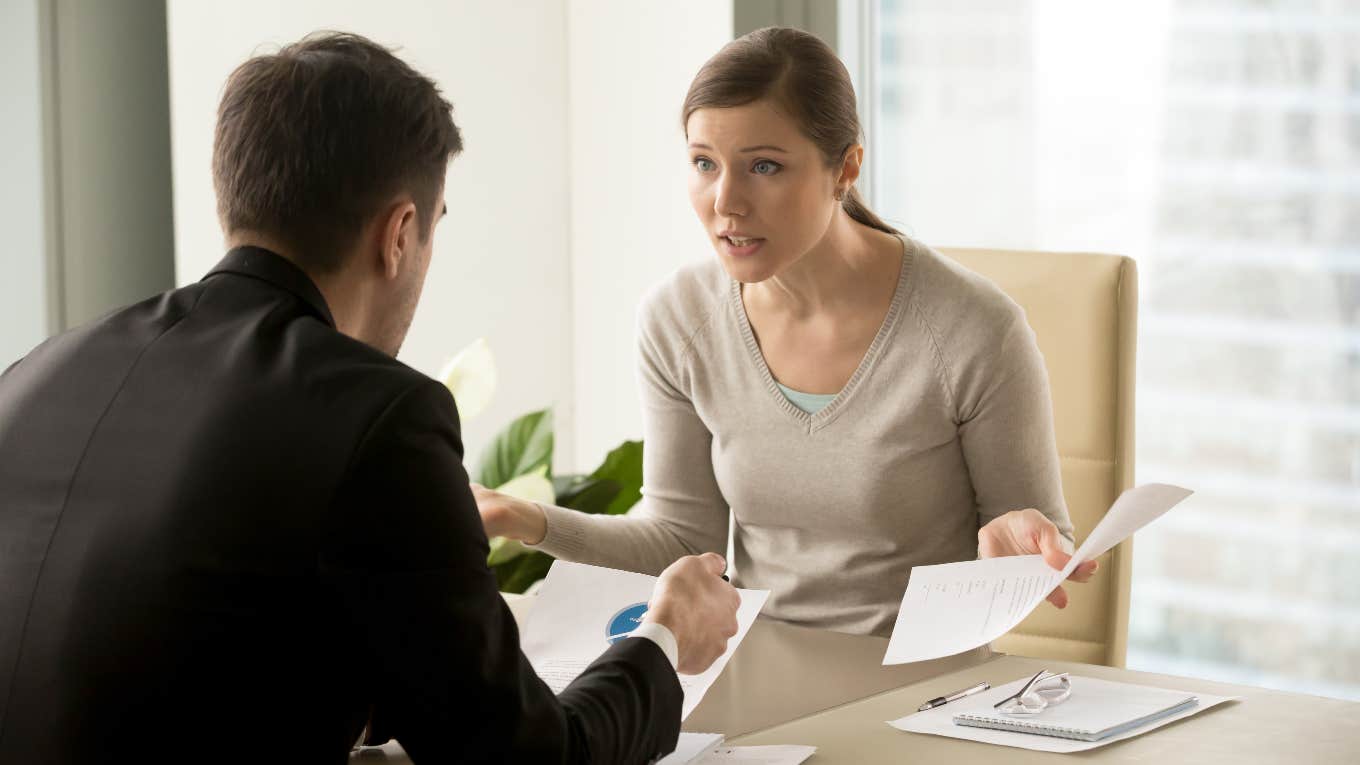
pixel 1083 309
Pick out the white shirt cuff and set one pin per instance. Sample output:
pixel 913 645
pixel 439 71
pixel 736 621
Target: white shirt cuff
pixel 662 636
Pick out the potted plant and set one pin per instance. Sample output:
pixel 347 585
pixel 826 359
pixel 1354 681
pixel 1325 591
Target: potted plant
pixel 518 462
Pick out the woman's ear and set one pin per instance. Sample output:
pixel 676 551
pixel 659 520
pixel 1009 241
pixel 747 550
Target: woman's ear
pixel 850 166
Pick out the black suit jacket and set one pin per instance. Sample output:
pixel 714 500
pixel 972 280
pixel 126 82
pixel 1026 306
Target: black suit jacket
pixel 226 529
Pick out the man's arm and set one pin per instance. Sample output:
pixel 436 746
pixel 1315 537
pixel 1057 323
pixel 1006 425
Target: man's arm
pixel 406 553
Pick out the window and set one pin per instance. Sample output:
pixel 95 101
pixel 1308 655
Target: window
pixel 1218 142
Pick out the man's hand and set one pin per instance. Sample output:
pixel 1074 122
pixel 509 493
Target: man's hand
pixel 507 516
pixel 1029 532
pixel 693 601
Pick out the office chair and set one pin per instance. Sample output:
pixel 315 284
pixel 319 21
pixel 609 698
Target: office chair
pixel 1083 309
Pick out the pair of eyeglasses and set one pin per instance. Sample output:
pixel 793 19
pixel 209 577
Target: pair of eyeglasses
pixel 1044 690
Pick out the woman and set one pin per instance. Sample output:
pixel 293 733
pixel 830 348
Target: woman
pixel 861 404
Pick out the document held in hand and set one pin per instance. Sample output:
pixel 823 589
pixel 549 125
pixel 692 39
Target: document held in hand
pixel 581 610
pixel 955 607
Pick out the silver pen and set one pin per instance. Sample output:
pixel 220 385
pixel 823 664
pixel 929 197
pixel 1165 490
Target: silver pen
pixel 955 696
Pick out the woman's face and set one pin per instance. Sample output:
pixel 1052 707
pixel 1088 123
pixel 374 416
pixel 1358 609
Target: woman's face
pixel 761 188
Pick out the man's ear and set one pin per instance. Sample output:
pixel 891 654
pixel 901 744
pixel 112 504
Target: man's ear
pixel 400 236
pixel 850 166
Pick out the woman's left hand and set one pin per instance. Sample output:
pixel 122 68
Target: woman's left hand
pixel 1030 532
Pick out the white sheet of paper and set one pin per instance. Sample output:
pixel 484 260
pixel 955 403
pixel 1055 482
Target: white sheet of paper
pixel 940 722
pixel 955 607
pixel 580 607
pixel 758 755
pixel 691 747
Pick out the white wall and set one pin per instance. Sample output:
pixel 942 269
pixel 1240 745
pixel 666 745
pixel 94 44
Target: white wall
pixel 501 267
pixel 631 224
pixel 23 258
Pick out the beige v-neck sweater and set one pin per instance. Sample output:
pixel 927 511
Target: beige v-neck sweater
pixel 946 424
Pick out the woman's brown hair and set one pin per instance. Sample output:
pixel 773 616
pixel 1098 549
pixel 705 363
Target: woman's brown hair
pixel 803 75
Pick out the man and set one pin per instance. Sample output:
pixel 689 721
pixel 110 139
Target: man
pixel 233 525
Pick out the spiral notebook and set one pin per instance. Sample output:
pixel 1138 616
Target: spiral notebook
pixel 1096 710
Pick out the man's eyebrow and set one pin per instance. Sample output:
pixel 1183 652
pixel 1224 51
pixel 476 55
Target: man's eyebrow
pixel 445 211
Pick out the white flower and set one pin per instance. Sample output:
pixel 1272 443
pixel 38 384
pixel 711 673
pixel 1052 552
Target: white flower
pixel 533 487
pixel 471 377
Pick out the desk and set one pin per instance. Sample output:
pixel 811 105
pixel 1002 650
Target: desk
pixel 1265 726
pixel 782 672
pixel 791 685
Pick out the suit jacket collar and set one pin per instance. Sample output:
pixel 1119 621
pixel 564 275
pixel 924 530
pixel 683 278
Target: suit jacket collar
pixel 277 270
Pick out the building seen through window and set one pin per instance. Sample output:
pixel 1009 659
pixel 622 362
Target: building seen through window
pixel 1218 143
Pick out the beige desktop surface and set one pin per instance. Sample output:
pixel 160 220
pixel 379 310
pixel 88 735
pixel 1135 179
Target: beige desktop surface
pixel 790 685
pixel 779 673
pixel 1264 726
pixel 782 672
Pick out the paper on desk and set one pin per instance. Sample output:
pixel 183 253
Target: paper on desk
pixel 940 722
pixel 705 749
pixel 581 610
pixel 955 607
pixel 758 755
pixel 691 747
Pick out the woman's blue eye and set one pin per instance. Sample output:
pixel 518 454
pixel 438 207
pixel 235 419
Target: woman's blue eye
pixel 704 164
pixel 766 167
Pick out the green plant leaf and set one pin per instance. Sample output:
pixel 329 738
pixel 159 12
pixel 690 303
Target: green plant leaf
pixel 612 489
pixel 524 446
pixel 516 575
pixel 563 484
pixel 590 496
pixel 623 467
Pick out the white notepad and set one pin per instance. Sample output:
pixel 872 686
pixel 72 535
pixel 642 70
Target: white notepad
pixel 1097 710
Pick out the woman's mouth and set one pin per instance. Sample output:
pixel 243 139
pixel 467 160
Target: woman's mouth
pixel 741 245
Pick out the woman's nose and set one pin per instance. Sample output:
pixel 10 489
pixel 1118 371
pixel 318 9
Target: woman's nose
pixel 728 200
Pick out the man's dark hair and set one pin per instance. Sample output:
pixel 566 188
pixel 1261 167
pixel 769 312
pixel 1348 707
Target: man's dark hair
pixel 313 139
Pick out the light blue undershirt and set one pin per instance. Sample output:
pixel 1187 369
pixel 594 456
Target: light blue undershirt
pixel 811 403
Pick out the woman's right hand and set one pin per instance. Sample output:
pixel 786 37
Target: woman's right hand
pixel 507 516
